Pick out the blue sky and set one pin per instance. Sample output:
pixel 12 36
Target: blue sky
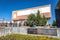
pixel 7 6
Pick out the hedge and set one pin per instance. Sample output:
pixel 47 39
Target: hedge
pixel 26 37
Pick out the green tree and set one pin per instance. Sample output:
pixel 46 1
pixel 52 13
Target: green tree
pixel 36 19
pixel 54 23
pixel 43 21
pixel 31 20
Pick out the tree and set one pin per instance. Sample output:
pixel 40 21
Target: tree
pixel 54 23
pixel 36 19
pixel 43 21
pixel 31 20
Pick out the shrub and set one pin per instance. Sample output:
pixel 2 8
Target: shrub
pixel 26 37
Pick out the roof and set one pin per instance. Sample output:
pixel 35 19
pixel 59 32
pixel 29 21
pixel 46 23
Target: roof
pixel 33 7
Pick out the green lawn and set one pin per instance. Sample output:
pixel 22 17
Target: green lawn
pixel 26 37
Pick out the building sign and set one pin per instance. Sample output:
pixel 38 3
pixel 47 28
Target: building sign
pixel 42 31
pixel 32 31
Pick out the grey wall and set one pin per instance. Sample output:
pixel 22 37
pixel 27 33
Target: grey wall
pixel 24 30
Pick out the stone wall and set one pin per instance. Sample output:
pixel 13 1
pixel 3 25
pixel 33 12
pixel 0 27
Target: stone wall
pixel 31 30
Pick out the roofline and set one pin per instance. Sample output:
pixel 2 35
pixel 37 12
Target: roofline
pixel 33 7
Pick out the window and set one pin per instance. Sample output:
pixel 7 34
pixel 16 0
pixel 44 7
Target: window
pixel 14 16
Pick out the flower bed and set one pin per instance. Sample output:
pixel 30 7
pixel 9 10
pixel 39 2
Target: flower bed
pixel 26 37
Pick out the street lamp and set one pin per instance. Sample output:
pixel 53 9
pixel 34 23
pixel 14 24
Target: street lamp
pixel 3 21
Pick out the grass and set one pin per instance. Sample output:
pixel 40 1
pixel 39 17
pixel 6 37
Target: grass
pixel 26 37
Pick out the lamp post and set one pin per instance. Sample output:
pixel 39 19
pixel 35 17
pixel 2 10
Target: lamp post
pixel 3 22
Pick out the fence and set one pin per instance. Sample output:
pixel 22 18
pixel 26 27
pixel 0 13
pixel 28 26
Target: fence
pixel 30 30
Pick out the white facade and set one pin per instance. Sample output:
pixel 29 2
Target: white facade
pixel 29 11
pixel 42 9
